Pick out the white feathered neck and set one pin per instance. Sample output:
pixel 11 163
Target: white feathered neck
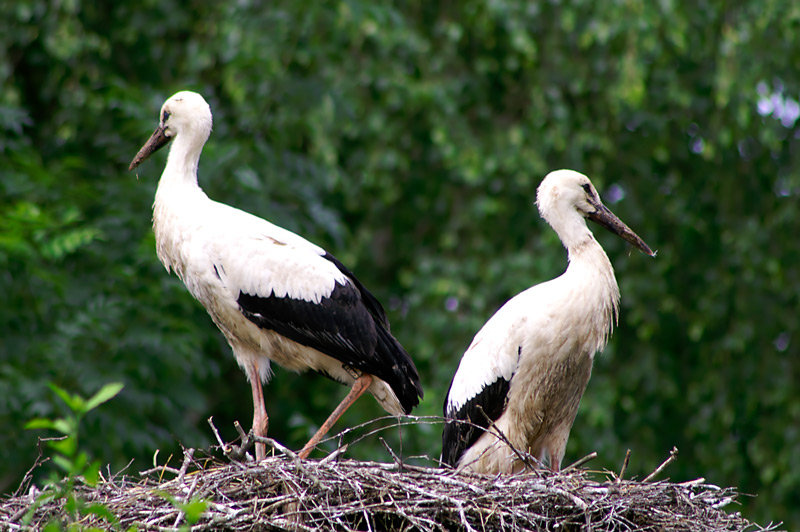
pixel 188 122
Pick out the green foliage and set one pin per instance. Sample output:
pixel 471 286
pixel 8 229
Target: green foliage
pixel 73 462
pixel 192 510
pixel 409 139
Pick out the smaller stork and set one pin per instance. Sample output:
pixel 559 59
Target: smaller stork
pixel 274 295
pixel 523 376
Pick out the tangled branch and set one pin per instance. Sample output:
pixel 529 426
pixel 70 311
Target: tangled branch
pixel 285 493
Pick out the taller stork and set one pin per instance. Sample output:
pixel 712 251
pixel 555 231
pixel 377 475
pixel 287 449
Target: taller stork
pixel 274 295
pixel 523 376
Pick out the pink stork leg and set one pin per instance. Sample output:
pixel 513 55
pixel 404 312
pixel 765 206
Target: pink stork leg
pixel 359 387
pixel 260 418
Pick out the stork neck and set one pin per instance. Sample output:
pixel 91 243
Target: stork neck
pixel 183 159
pixel 591 274
pixel 589 266
pixel 589 250
pixel 573 232
pixel 583 250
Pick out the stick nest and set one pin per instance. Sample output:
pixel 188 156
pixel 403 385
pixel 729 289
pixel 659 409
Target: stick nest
pixel 285 493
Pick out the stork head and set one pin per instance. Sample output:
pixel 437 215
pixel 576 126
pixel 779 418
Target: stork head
pixel 565 193
pixel 184 113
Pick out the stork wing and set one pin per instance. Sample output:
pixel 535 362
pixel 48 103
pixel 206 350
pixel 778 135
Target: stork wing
pixel 373 305
pixel 286 284
pixel 478 393
pixel 464 426
pixel 339 325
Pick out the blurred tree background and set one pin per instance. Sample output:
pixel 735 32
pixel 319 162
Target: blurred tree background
pixel 408 139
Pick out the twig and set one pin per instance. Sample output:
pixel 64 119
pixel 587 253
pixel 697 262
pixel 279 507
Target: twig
pixel 239 452
pixel 464 520
pixel 188 455
pixel 334 455
pixel 222 444
pixel 575 465
pixel 240 431
pixel 695 482
pixel 160 469
pixel 275 445
pixel 577 501
pixel 396 459
pixel 294 457
pixel 186 500
pixel 111 476
pixel 235 453
pixel 624 465
pixel 41 459
pixel 673 455
pixel 230 451
pixel 493 429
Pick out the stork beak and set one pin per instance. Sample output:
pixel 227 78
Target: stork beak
pixel 604 217
pixel 156 141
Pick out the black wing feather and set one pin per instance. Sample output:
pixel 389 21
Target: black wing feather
pixel 348 326
pixel 371 302
pixel 463 428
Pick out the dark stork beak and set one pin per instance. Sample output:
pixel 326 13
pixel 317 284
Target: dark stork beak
pixel 156 141
pixel 605 218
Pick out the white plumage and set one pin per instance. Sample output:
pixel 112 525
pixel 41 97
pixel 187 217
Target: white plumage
pixel 526 370
pixel 274 295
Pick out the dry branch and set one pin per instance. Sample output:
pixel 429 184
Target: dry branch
pixel 286 493
pixel 351 495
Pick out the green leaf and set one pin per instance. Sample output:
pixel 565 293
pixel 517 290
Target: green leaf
pixel 104 394
pixel 40 423
pixel 68 426
pixel 73 402
pixel 64 463
pixel 53 526
pixel 91 473
pixel 100 510
pixel 80 462
pixel 194 510
pixel 72 505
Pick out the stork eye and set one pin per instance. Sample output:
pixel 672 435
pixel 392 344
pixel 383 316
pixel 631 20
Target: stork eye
pixel 587 187
pixel 165 116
